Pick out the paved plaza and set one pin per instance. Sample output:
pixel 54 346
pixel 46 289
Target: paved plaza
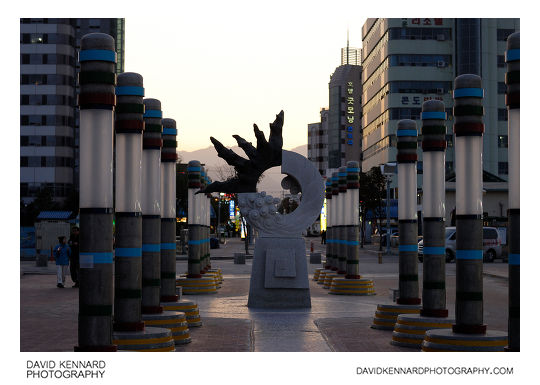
pixel 334 322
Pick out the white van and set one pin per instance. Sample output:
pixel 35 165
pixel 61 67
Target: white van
pixel 491 245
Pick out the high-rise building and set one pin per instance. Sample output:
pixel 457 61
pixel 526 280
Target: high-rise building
pixel 351 55
pixel 49 121
pixel 344 116
pixel 337 138
pixel 408 61
pixel 318 142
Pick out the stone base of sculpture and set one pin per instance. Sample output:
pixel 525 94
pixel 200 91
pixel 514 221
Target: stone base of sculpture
pixel 279 274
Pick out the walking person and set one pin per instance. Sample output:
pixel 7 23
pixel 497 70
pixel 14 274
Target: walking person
pixel 74 256
pixel 323 237
pixel 61 253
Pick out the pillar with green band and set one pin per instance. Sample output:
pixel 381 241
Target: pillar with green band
pixel 513 237
pixel 329 224
pixel 168 212
pixel 151 208
pixel 469 129
pixel 352 283
pixel 407 157
pixel 129 126
pixel 409 330
pixel 194 220
pixel 96 102
pixel 433 205
pixel 335 221
pixel 343 214
pixel 353 219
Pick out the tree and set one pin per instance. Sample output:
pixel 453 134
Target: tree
pixel 43 202
pixel 372 194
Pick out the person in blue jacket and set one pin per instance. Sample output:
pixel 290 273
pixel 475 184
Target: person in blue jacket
pixel 62 252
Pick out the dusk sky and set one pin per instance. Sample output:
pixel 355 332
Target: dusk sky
pixel 219 67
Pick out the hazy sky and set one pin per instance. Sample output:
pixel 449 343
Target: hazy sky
pixel 219 67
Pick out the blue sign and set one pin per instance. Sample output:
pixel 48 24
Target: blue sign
pixel 231 209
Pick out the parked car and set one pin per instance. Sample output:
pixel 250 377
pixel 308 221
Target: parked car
pixel 491 244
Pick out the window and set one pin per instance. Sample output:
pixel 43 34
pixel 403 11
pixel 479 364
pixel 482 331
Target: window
pixel 501 88
pixel 420 34
pixel 502 114
pixel 491 234
pixel 405 113
pixel 503 141
pixel 420 60
pixel 503 168
pixel 500 61
pixel 420 87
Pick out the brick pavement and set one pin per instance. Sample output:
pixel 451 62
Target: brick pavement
pixel 334 323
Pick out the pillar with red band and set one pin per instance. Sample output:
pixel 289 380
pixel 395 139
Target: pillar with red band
pixel 168 212
pixel 433 204
pixel 151 207
pixel 407 136
pixel 512 103
pixel 128 214
pixel 96 102
pixel 468 333
pixel 468 129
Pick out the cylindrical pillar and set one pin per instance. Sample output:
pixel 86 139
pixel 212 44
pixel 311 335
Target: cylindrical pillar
pixel 407 145
pixel 329 224
pixel 96 101
pixel 433 147
pixel 201 204
pixel 129 127
pixel 344 210
pixel 208 219
pixel 194 220
pixel 168 212
pixel 353 185
pixel 151 207
pixel 335 222
pixel 512 103
pixel 468 130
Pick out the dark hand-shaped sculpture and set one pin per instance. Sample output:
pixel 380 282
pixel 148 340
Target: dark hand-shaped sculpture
pixel 265 156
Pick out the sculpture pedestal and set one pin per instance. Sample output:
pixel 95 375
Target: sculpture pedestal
pixel 279 276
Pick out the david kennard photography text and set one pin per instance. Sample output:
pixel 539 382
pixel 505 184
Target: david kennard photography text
pixel 65 369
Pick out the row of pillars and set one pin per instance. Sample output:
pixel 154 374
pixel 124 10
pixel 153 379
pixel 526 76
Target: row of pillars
pixel 144 201
pixel 468 331
pixel 341 272
pixel 200 277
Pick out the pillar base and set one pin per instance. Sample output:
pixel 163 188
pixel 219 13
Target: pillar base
pixel 215 276
pixel 438 313
pixel 408 301
pixel 174 321
pixel 386 315
pixel 203 285
pixel 345 286
pixel 168 298
pixel 445 340
pixel 104 348
pixel 322 274
pixel 151 309
pixel 469 329
pixel 189 308
pixel 410 329
pixel 128 326
pixel 328 279
pixel 151 339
